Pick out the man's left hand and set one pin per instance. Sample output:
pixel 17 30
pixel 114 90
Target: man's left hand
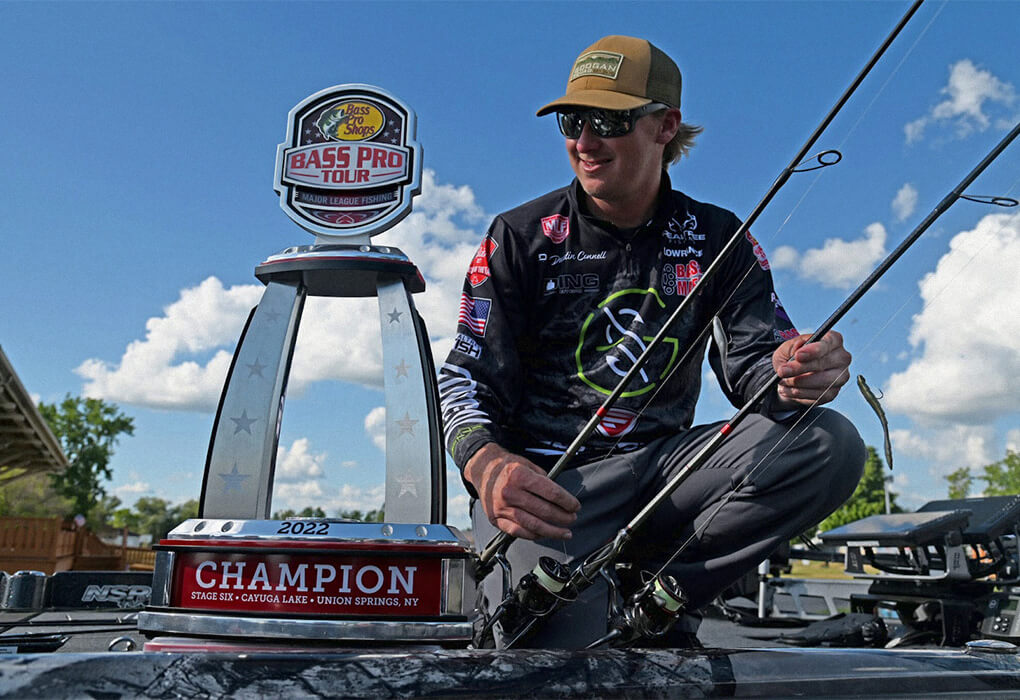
pixel 811 373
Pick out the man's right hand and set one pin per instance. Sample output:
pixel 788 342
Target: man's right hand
pixel 518 497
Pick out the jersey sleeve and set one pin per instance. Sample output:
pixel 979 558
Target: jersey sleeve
pixel 480 382
pixel 751 324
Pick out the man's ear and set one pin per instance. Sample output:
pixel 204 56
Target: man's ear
pixel 668 126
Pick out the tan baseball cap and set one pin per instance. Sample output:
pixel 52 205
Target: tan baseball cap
pixel 620 72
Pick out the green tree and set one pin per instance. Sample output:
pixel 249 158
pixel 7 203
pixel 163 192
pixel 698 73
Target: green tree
pixel 88 430
pixel 960 483
pixel 102 515
pixel 1003 477
pixel 372 516
pixel 306 512
pixel 867 499
pixel 156 516
pixel 32 496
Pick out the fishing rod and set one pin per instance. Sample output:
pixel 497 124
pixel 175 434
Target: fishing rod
pixel 498 545
pixel 654 607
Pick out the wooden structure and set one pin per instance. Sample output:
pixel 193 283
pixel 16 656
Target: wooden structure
pixel 27 445
pixel 52 544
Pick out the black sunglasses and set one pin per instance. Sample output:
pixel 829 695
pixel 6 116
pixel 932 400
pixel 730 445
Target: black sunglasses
pixel 606 123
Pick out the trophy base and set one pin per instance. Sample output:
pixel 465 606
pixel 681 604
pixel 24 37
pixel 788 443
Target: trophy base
pixel 312 581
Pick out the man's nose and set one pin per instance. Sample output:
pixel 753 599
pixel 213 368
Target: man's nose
pixel 588 139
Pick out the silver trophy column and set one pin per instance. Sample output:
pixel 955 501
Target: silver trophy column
pixel 238 480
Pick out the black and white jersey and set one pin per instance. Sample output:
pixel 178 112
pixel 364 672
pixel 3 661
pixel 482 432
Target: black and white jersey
pixel 557 305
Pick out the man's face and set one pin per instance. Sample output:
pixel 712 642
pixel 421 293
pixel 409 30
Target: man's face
pixel 621 170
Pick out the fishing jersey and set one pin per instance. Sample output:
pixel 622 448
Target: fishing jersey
pixel 557 305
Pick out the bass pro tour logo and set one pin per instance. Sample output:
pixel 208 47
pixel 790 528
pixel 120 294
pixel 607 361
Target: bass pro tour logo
pixel 350 165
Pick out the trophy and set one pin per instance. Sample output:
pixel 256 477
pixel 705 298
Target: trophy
pixel 348 171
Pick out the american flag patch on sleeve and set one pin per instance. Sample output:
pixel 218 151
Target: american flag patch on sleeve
pixel 474 313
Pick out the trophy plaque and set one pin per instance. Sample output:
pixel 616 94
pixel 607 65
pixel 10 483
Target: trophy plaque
pixel 233 577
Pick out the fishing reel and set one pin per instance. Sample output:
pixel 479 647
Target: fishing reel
pixel 539 593
pixel 648 614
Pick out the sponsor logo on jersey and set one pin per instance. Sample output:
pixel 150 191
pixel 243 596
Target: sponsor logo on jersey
pixel 780 311
pixel 683 232
pixel 474 313
pixel 680 278
pixel 617 422
pixel 556 228
pixel 783 319
pixel 478 271
pixel 466 345
pixel 688 252
pixel 759 252
pixel 615 334
pixel 572 284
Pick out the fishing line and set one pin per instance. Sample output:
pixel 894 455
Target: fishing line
pixel 893 74
pixel 601 557
pixel 499 543
pixel 917 295
pixel 944 205
pixel 772 238
pixel 864 113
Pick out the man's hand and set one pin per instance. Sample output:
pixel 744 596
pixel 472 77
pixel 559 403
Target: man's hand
pixel 518 497
pixel 811 373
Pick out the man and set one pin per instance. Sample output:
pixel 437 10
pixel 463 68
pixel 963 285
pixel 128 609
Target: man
pixel 562 296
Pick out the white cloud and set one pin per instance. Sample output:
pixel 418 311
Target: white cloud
pixel 947 448
pixel 1013 440
pixel 785 258
pixel 905 202
pixel 332 500
pixel 338 338
pixel 204 318
pixel 915 130
pixel 968 332
pixel 969 92
pixel 375 426
pixel 298 463
pixel 136 488
pixel 838 263
pixel 302 480
pixel 457 508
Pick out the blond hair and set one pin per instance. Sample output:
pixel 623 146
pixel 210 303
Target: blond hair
pixel 680 145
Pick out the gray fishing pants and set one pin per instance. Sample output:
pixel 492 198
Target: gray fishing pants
pixel 768 482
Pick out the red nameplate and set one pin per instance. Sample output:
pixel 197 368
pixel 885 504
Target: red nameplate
pixel 331 584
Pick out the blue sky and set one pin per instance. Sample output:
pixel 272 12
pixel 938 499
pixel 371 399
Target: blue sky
pixel 138 145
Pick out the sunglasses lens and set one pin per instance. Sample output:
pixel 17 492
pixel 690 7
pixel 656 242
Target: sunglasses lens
pixel 571 124
pixel 605 123
pixel 609 123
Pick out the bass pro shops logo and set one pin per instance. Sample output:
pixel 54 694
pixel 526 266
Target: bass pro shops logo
pixel 350 165
pixel 615 334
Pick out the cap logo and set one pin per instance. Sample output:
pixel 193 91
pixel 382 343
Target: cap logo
pixel 601 64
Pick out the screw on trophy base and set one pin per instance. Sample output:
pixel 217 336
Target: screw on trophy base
pixel 234 579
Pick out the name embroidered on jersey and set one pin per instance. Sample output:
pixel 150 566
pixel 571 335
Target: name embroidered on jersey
pixel 474 313
pixel 556 228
